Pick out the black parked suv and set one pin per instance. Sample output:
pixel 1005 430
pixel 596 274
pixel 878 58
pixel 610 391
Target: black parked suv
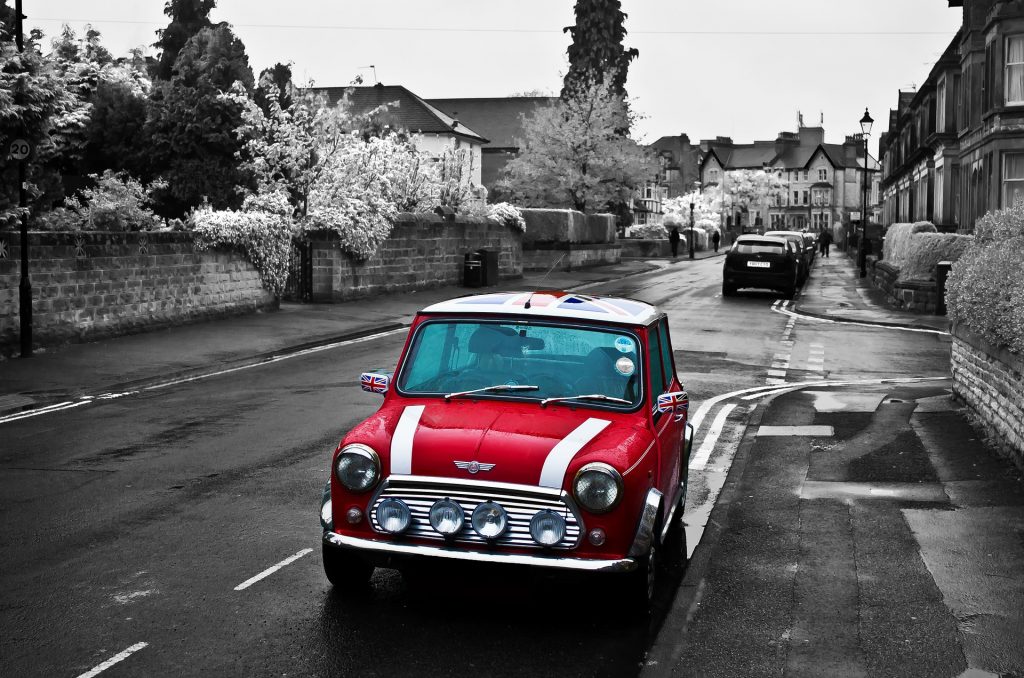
pixel 762 261
pixel 804 246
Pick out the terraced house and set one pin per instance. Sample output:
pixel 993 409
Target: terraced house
pixel 954 148
pixel 821 182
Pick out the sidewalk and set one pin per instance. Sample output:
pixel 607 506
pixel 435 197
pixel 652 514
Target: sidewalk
pixel 134 361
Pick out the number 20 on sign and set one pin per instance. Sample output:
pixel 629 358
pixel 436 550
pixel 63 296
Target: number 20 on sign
pixel 20 149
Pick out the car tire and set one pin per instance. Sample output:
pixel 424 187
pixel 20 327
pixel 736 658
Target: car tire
pixel 638 585
pixel 728 290
pixel 674 552
pixel 346 571
pixel 789 292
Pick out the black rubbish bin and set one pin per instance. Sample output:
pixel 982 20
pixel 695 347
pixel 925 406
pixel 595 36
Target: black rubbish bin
pixel 472 270
pixel 489 265
pixel 942 270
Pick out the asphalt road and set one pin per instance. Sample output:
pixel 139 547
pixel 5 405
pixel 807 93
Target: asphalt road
pixel 139 528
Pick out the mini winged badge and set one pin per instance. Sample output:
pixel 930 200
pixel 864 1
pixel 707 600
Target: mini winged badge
pixel 474 466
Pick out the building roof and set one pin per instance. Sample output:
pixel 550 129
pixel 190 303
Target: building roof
pixel 497 118
pixel 404 110
pixel 552 304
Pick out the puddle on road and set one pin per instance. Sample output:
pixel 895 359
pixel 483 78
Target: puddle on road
pixel 917 492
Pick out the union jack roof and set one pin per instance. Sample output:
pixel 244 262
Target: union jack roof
pixel 552 304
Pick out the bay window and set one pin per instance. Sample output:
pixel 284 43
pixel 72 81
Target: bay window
pixel 1014 70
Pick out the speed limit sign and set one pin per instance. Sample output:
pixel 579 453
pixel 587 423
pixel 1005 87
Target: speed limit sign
pixel 20 149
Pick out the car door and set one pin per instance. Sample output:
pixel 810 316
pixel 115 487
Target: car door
pixel 669 425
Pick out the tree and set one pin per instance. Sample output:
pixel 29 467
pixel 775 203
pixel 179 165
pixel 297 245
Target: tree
pixel 574 155
pixel 35 105
pixel 191 128
pixel 281 76
pixel 596 51
pixel 188 17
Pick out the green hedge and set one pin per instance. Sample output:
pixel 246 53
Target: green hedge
pixel 928 249
pixel 986 286
pixel 898 240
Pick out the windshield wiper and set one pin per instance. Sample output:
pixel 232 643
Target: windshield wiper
pixel 591 396
pixel 496 387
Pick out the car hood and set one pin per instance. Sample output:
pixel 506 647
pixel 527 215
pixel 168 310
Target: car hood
pixel 504 442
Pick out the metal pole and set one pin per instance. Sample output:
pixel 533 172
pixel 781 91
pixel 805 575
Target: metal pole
pixel 25 286
pixel 691 230
pixel 864 215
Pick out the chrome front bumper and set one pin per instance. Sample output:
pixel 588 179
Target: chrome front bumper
pixel 396 550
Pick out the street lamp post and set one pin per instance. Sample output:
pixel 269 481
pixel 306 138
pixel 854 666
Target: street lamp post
pixel 25 286
pixel 865 128
pixel 691 230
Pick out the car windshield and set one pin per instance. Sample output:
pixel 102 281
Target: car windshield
pixel 451 358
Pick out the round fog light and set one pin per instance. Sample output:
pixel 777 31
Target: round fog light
pixel 596 536
pixel 393 516
pixel 490 520
pixel 547 527
pixel 447 517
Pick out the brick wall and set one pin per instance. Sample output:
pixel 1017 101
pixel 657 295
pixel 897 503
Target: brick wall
pixel 89 285
pixel 422 251
pixel 990 380
pixel 909 295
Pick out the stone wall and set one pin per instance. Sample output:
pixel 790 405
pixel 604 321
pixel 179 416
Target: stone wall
pixel 909 295
pixel 990 380
pixel 643 248
pixel 563 240
pixel 423 250
pixel 90 285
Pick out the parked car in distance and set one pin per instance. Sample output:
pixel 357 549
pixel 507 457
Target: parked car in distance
pixel 811 242
pixel 544 429
pixel 805 249
pixel 762 261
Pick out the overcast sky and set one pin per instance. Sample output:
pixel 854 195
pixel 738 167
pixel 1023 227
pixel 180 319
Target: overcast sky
pixel 739 68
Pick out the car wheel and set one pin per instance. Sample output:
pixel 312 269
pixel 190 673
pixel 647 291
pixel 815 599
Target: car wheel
pixel 639 584
pixel 345 571
pixel 675 542
pixel 728 290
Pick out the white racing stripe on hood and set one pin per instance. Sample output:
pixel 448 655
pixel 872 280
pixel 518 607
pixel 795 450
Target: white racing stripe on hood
pixel 401 441
pixel 561 454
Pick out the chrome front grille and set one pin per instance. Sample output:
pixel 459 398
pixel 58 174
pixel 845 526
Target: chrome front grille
pixel 520 502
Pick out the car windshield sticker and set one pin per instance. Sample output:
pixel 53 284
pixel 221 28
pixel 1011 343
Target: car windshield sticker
pixel 624 366
pixel 624 344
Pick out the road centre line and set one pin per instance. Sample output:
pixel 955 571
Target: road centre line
pixel 271 570
pixel 119 657
pixel 87 400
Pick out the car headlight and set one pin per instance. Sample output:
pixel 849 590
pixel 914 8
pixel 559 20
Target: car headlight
pixel 597 487
pixel 357 468
pixel 447 517
pixel 490 520
pixel 547 527
pixel 393 516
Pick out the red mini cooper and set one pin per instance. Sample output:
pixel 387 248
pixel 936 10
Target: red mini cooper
pixel 537 428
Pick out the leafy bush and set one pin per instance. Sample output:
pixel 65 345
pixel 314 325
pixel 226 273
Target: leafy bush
pixel 263 231
pixel 509 215
pixel 897 240
pixel 985 289
pixel 116 203
pixel 649 231
pixel 928 249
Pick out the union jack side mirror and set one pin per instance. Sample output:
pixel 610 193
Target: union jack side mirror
pixel 676 402
pixel 375 382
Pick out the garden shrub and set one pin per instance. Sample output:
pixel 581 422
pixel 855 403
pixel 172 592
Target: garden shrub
pixel 117 202
pixel 897 240
pixel 507 214
pixel 649 231
pixel 928 249
pixel 262 231
pixel 985 289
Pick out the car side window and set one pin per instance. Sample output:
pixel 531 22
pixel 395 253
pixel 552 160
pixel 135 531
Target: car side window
pixel 654 368
pixel 666 354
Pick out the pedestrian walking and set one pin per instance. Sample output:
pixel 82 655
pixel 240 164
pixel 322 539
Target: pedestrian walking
pixel 673 240
pixel 825 240
pixel 715 239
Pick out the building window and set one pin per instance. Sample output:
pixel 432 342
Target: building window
pixel 940 105
pixel 822 175
pixel 1014 75
pixel 796 197
pixel 805 198
pixel 939 215
pixel 1013 178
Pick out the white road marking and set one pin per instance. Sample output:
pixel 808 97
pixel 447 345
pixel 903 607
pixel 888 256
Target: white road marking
pixel 844 321
pixel 810 431
pixel 711 439
pixel 119 657
pixel 87 400
pixel 271 570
